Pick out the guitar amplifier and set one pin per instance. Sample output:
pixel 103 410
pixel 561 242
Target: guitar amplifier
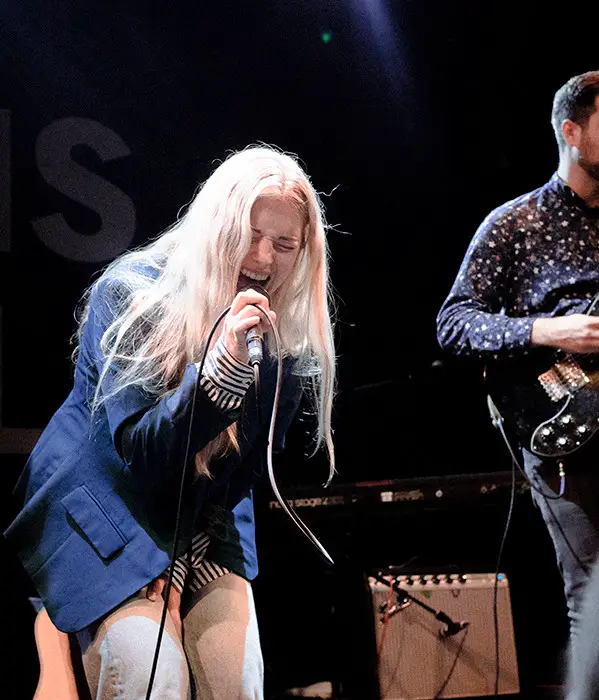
pixel 422 658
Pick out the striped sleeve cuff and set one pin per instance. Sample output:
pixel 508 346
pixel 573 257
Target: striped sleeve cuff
pixel 224 378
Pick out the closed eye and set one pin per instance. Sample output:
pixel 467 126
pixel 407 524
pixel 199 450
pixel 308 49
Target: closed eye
pixel 282 244
pixel 286 245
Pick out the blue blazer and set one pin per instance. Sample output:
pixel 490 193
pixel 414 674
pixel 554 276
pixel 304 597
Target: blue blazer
pixel 96 526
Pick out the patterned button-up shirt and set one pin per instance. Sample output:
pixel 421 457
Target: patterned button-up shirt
pixel 537 255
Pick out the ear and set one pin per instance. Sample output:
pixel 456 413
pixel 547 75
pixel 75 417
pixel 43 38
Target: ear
pixel 571 131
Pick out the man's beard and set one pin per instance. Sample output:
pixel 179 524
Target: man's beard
pixel 591 168
pixel 587 156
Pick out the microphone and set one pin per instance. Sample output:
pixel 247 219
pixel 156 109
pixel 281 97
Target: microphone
pixel 253 339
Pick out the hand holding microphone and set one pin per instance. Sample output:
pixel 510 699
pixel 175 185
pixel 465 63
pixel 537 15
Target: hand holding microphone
pixel 245 324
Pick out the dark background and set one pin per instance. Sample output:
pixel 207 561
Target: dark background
pixel 414 120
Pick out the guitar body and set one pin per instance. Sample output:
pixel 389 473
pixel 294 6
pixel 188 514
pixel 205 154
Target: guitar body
pixel 570 428
pixel 550 400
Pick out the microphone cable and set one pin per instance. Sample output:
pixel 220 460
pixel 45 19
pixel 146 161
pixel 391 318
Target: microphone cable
pixel 282 501
pixel 184 476
pixel 456 658
pixel 293 516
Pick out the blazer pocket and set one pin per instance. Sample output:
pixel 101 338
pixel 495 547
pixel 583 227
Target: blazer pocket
pixel 94 521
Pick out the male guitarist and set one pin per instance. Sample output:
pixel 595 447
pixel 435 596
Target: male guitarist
pixel 522 297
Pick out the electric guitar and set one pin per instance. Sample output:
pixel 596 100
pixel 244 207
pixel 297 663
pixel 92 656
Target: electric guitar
pixel 552 400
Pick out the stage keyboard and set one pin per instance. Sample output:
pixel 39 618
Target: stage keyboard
pixel 431 490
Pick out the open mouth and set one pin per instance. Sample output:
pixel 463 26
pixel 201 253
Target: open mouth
pixel 256 281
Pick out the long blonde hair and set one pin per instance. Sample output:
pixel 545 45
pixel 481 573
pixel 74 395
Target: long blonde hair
pixel 171 290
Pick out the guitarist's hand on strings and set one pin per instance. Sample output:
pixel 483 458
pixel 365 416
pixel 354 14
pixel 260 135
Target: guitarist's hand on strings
pixel 576 333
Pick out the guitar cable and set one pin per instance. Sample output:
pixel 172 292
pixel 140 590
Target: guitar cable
pixel 497 421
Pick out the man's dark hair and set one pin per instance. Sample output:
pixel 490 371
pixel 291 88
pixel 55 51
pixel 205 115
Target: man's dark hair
pixel 575 101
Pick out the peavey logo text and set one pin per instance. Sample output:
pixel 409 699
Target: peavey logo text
pixel 394 496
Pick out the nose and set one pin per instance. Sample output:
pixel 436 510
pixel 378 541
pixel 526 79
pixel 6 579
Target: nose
pixel 264 251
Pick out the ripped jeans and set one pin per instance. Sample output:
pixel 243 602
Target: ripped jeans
pixel 219 657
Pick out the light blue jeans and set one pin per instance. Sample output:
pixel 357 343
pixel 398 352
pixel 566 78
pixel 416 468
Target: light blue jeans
pixel 219 658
